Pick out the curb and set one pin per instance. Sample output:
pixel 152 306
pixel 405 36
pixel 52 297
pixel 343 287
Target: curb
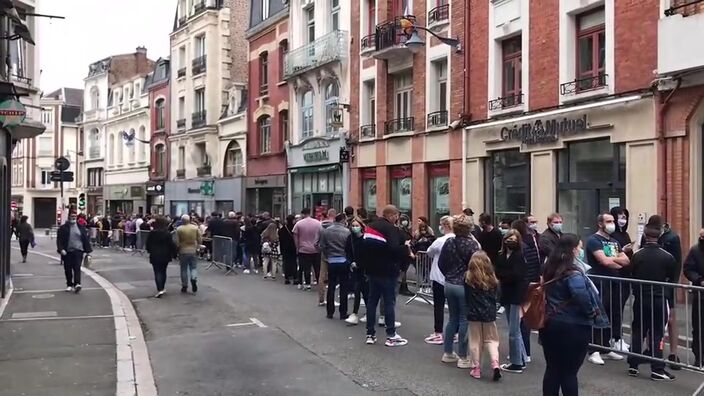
pixel 134 371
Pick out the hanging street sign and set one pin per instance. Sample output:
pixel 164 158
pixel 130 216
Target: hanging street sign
pixel 12 113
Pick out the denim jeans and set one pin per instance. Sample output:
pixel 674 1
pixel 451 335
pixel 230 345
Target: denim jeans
pixel 378 287
pixel 189 266
pixel 516 350
pixel 160 274
pixel 456 321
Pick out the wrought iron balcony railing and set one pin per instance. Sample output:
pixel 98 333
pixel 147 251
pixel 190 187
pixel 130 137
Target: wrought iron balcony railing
pixel 583 84
pixel 392 33
pixel 398 125
pixel 368 43
pixel 329 48
pixel 181 72
pixel 685 7
pixel 506 102
pixel 198 64
pixel 198 119
pixel 437 119
pixel 367 131
pixel 181 124
pixel 203 170
pixel 439 14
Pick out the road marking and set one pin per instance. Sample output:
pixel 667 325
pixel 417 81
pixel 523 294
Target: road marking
pixel 34 319
pixel 23 291
pixel 240 324
pixel 23 275
pixel 6 300
pixel 29 315
pixel 43 296
pixel 258 322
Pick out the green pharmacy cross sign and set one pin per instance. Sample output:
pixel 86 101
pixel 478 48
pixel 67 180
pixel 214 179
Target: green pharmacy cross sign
pixel 207 188
pixel 12 113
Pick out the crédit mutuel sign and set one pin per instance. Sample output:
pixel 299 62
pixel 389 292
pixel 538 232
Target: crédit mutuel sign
pixel 544 131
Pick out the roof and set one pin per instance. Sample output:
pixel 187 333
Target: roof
pixel 70 96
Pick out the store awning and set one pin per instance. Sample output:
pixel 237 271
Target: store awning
pixel 20 29
pixel 315 169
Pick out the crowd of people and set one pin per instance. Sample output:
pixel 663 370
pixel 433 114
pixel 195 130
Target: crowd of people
pixel 480 271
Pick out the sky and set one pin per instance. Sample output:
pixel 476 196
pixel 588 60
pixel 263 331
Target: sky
pixel 96 29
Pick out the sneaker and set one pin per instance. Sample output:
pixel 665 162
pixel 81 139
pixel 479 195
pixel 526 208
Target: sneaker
pixel 159 294
pixel 381 321
pixel 184 289
pixel 194 285
pixel 371 340
pixel 434 339
pixel 620 345
pixel 363 319
pixel 306 287
pixel 633 372
pixel 322 303
pixel 464 363
pixel 449 358
pixel 674 358
pixel 299 286
pixel 246 272
pixel 661 375
pixel 268 275
pixel 395 340
pixel 69 289
pixel 497 374
pixel 512 368
pixel 256 271
pixel 501 310
pixel 612 356
pixel 528 359
pixel 595 358
pixel 352 319
pixel 78 288
pixel 476 373
pixel 315 283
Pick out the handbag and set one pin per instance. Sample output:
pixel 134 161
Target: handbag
pixel 87 261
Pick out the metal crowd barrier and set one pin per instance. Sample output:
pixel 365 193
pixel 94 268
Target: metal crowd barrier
pixel 221 254
pixel 117 239
pixel 652 312
pixel 424 290
pixel 93 235
pixel 140 243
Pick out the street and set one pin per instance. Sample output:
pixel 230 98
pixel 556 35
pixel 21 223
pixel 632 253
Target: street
pixel 241 335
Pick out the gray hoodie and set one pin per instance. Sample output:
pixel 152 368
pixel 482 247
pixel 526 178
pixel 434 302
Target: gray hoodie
pixel 333 240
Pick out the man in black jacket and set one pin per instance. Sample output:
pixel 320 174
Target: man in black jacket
pixel 694 272
pixel 384 253
pixel 72 242
pixel 549 238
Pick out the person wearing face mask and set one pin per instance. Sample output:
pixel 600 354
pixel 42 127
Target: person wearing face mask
pixel 624 289
pixel 359 276
pixel 605 256
pixel 72 242
pixel 475 231
pixel 511 270
pixel 694 272
pixel 549 238
pixel 489 237
pixel 438 279
pixel 528 229
pixel 504 226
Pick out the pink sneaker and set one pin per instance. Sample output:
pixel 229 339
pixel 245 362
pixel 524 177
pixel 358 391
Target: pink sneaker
pixel 434 339
pixel 476 373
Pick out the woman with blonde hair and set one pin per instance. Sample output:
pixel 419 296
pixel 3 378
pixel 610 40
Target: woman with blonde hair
pixel 480 290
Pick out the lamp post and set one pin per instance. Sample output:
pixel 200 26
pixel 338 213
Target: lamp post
pixel 415 42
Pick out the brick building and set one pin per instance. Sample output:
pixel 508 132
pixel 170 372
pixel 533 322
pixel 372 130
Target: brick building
pixel 157 84
pixel 267 108
pixel 403 103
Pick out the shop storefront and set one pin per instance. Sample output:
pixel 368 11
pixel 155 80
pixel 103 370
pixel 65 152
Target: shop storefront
pixel 439 192
pixel 189 196
pixel 94 200
pixel 316 175
pixel 155 198
pixel 266 194
pixel 402 188
pixel 578 161
pixel 369 189
pixel 228 195
pixel 125 198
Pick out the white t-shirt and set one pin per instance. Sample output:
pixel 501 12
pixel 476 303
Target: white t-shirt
pixel 434 254
pixel 138 223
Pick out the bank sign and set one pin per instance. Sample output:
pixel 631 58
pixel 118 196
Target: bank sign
pixel 547 131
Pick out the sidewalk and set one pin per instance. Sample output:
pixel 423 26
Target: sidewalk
pixel 54 342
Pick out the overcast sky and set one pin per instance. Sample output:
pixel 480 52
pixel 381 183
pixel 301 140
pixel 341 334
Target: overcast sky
pixel 95 29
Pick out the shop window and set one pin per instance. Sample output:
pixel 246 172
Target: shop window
pixel 439 192
pixel 508 184
pixel 591 50
pixel 591 180
pixel 369 190
pixel 402 189
pixel 511 71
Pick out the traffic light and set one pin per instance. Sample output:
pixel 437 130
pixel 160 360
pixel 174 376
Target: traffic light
pixel 81 201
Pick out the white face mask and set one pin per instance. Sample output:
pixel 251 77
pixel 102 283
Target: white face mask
pixel 441 229
pixel 610 228
pixel 404 223
pixel 622 222
pixel 533 226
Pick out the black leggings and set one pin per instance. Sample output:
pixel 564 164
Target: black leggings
pixel 438 306
pixel 564 347
pixel 361 287
pixel 23 248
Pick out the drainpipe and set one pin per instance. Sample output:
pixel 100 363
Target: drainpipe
pixel 465 102
pixel 661 109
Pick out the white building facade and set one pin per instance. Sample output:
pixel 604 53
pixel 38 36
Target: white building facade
pixel 317 71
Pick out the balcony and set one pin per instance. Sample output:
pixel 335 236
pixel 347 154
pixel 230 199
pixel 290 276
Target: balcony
pixel 506 102
pixel 198 119
pixel 181 72
pixel 367 45
pixel 390 38
pixel 437 119
pixel 94 152
pixel 584 84
pixel 198 65
pixel 180 173
pixel 181 124
pixel 329 48
pixel 399 125
pixel 90 115
pixel 678 49
pixel 203 170
pixel 439 17
pixel 367 131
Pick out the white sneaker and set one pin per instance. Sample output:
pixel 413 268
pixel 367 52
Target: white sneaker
pixel 322 304
pixel 246 271
pixel 612 356
pixel 595 358
pixel 300 286
pixel 77 288
pixel 501 310
pixel 69 289
pixel 352 319
pixel 449 358
pixel 620 345
pixel 381 321
pixel 306 287
pixel 363 319
pixel 159 294
pixel 268 275
pixel 464 363
pixel 395 341
pixel 527 359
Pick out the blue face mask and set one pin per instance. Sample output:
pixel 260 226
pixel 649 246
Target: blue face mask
pixel 504 231
pixel 557 227
pixel 580 255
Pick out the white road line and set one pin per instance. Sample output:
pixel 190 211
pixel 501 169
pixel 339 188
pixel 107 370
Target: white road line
pixel 35 319
pixel 240 324
pixel 134 370
pixel 23 291
pixel 6 300
pixel 258 322
pixel 30 315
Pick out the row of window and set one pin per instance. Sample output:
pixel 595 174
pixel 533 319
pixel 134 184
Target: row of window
pixel 233 162
pixel 136 148
pixel 199 44
pixel 264 133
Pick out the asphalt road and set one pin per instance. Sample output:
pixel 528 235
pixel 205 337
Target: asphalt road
pixel 280 343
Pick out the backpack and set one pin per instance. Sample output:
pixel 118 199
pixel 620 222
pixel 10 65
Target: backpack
pixel 534 307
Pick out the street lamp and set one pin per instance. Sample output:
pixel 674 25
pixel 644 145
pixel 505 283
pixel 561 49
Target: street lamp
pixel 415 42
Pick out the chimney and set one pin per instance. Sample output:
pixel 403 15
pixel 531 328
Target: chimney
pixel 142 50
pixel 140 56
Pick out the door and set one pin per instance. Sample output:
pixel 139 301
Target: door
pixel 580 207
pixel 44 212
